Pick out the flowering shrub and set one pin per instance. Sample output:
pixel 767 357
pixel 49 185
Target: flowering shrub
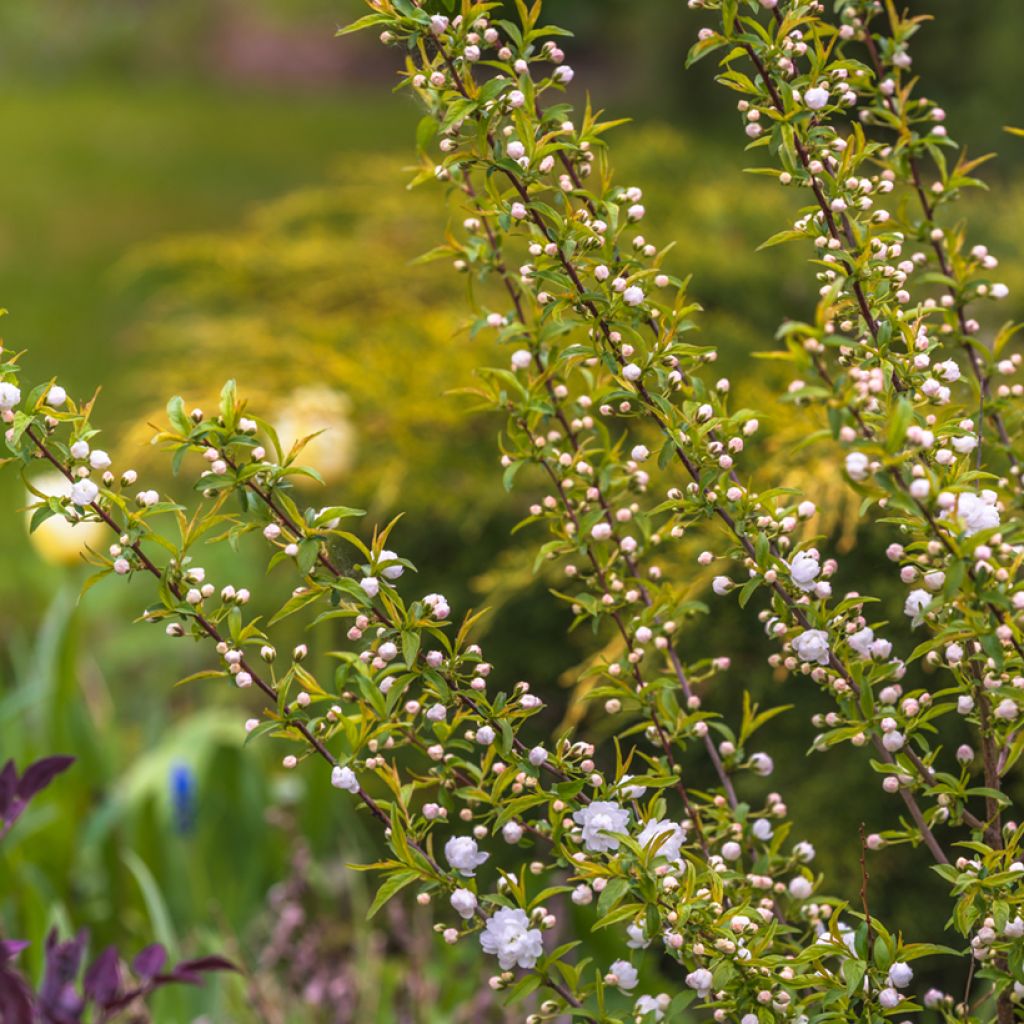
pixel 608 399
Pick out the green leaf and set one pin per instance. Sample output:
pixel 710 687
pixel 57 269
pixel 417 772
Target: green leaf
pixel 161 926
pixel 611 895
pixel 228 401
pixel 178 418
pixel 392 885
pixel 366 21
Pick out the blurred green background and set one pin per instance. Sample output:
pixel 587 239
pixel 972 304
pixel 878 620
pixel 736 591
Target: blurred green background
pixel 195 189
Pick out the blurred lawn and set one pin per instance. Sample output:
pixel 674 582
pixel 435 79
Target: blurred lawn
pixel 92 169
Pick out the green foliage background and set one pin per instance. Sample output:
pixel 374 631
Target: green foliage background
pixel 170 222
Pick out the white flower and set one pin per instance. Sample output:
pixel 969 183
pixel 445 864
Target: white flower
pixel 700 980
pixel 649 1004
pixel 512 832
pixel 485 735
pixel 804 851
pixel 342 777
pixel 889 998
pixel 633 296
pixel 800 887
pixel 463 855
pixel 596 819
pixel 438 24
pixel 812 645
pixel 631 792
pixel 392 572
pixel 537 756
pixel 84 492
pixel 79 449
pixel 370 585
pixel 438 605
pixel 816 97
pixel 893 741
pixel 900 975
pixel 631 372
pixel 857 464
pixel 861 641
pixel 625 975
pixel 654 829
pixel 56 396
pixel 521 359
pixel 847 937
pixel 916 603
pixel 721 585
pixel 509 937
pixel 762 763
pixel 99 459
pixel 977 511
pixel 762 829
pixel 10 396
pixel 464 903
pixel 1006 710
pixel 637 939
pixel 804 569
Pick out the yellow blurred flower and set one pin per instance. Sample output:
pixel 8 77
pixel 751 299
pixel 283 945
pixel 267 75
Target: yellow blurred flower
pixel 308 410
pixel 58 541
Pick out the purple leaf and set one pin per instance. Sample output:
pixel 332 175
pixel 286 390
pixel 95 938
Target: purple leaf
pixel 39 775
pixel 10 948
pixel 124 1001
pixel 8 784
pixel 205 963
pixel 102 982
pixel 59 1003
pixel 149 961
pixel 15 999
pixel 177 977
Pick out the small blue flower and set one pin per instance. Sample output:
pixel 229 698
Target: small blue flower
pixel 183 797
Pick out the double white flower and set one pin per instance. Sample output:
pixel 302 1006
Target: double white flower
pixel 812 645
pixel 509 937
pixel 464 855
pixel 598 819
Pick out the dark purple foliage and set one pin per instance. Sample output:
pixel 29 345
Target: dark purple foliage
pixel 58 1000
pixel 15 793
pixel 148 963
pixel 15 998
pixel 106 983
pixel 103 981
